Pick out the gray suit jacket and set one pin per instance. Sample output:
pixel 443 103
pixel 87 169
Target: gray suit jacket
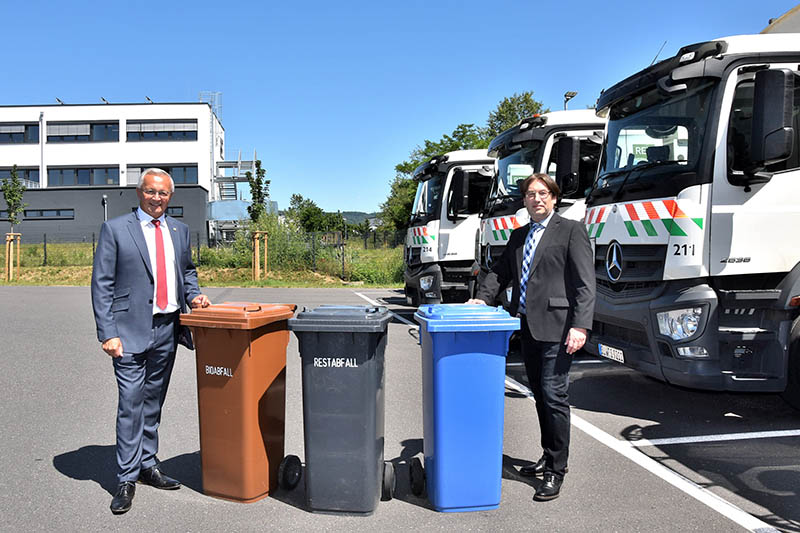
pixel 123 281
pixel 561 284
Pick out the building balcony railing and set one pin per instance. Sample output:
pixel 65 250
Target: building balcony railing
pixel 27 183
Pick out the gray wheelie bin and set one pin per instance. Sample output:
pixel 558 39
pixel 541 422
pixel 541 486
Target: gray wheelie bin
pixel 342 351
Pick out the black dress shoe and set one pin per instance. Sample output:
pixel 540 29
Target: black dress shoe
pixel 155 478
pixel 550 487
pixel 534 469
pixel 121 503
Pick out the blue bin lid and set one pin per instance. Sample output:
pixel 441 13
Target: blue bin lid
pixel 342 318
pixel 465 317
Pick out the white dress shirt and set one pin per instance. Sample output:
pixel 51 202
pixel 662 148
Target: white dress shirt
pixel 149 230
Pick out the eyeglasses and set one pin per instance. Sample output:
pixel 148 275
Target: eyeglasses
pixel 541 194
pixel 160 194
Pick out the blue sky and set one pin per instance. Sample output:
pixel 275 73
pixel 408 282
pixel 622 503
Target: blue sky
pixel 333 95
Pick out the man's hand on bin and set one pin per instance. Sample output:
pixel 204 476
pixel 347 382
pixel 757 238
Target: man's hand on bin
pixel 113 347
pixel 476 301
pixel 200 301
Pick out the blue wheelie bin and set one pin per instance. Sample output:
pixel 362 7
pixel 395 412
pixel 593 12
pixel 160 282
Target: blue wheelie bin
pixel 464 350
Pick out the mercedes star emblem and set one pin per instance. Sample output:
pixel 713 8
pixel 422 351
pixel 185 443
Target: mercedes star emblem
pixel 614 261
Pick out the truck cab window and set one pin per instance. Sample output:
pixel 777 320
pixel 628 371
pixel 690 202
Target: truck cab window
pixel 740 125
pixel 587 168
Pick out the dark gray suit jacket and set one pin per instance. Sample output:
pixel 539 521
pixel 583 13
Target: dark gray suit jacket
pixel 561 284
pixel 123 281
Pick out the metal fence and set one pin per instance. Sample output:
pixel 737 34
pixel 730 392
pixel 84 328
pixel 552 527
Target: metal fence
pixel 374 257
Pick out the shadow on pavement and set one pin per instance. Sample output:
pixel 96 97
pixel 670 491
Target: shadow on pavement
pixel 402 476
pixel 90 463
pixel 511 466
pixel 185 468
pixel 762 471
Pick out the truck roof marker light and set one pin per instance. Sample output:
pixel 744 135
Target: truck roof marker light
pixel 536 120
pixel 688 56
pixel 795 301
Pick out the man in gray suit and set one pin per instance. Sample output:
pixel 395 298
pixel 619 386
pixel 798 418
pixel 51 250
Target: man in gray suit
pixel 550 267
pixel 142 278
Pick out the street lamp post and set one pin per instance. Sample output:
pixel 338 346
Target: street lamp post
pixel 104 201
pixel 569 95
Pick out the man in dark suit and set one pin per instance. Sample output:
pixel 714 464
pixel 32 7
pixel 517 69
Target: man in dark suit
pixel 550 259
pixel 142 278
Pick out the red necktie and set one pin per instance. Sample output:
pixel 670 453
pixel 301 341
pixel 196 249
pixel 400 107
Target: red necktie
pixel 161 268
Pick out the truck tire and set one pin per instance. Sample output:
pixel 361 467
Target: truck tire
pixel 792 393
pixel 412 296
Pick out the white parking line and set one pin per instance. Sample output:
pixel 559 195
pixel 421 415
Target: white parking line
pixel 697 492
pixel 716 438
pixel 398 317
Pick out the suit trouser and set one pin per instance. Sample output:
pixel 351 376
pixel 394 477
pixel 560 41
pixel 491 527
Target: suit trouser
pixel 547 366
pixel 142 382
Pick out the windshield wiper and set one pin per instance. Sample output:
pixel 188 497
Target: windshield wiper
pixel 637 168
pixel 604 192
pixel 502 197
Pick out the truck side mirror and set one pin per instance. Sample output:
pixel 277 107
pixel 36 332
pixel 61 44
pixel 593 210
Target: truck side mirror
pixel 772 136
pixel 567 164
pixel 459 197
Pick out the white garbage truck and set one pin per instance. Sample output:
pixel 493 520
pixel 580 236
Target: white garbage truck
pixel 694 218
pixel 564 144
pixel 440 247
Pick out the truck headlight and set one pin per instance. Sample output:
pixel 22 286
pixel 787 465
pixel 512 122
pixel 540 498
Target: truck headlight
pixel 679 324
pixel 425 282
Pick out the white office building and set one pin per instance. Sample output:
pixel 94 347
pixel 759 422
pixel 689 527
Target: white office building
pixel 81 163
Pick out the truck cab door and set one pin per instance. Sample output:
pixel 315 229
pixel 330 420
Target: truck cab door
pixel 753 220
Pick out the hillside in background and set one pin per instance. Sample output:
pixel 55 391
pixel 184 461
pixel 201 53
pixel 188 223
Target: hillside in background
pixel 357 217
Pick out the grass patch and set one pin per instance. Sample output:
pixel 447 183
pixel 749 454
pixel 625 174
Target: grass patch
pixel 208 277
pixel 295 259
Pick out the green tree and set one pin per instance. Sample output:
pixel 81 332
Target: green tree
pixel 13 189
pixel 511 110
pixel 259 192
pixel 396 210
pixel 307 214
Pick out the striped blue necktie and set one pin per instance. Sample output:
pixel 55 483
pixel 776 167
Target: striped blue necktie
pixel 527 258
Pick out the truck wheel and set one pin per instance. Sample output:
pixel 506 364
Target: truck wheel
pixel 289 472
pixel 417 475
pixel 412 297
pixel 792 393
pixel 389 481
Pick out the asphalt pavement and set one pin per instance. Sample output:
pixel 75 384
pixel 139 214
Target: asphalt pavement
pixel 644 456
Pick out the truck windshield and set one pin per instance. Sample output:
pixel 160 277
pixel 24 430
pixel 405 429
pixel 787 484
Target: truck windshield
pixel 428 199
pixel 512 169
pixel 653 143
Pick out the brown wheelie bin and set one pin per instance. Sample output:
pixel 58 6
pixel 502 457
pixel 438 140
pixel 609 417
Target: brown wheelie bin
pixel 241 395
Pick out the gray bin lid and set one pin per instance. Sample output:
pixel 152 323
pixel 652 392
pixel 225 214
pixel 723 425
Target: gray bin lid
pixel 342 318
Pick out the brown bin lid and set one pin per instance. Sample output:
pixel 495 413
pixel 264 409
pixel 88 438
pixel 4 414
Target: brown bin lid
pixel 237 315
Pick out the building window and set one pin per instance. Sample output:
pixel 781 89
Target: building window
pixel 82 176
pixel 104 132
pixel 161 130
pixel 70 132
pixel 11 133
pixel 176 211
pixel 25 174
pixel 181 174
pixel 3 215
pixel 50 213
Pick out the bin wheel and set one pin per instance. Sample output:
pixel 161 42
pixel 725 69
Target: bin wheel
pixel 389 481
pixel 289 472
pixel 417 475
